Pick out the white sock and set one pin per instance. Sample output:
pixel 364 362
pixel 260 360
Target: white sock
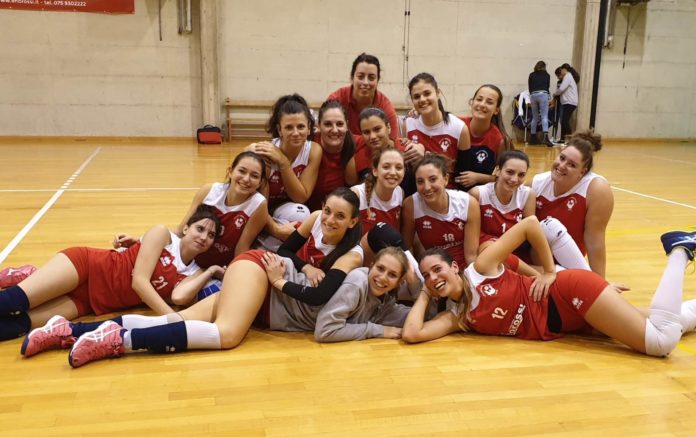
pixel 127 345
pixel 563 247
pixel 688 316
pixel 668 296
pixel 202 335
pixel 136 321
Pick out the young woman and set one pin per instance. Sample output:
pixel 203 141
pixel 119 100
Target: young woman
pixel 337 167
pixel 380 195
pixel 294 160
pixel 376 131
pixel 365 304
pixel 568 92
pixel 490 299
pixel 362 93
pixel 580 199
pixel 444 218
pixel 538 83
pixel 434 130
pixel 280 294
pixel 506 201
pixel 487 136
pixel 81 280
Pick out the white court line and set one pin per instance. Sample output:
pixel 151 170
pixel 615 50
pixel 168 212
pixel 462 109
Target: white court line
pixel 25 230
pixel 654 198
pixel 103 189
pixel 648 155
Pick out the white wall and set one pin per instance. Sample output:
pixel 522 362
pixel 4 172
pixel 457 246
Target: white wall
pixel 66 73
pixel 654 94
pixel 93 74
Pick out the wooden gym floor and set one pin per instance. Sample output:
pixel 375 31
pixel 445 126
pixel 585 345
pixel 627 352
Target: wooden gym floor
pixel 60 193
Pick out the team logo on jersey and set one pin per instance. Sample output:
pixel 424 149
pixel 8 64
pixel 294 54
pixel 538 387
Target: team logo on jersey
pixel 414 138
pixel 570 204
pixel 398 215
pixel 460 225
pixel 487 289
pixel 275 177
pixel 239 221
pixel 427 224
pixel 539 204
pixel 445 144
pixel 518 217
pixel 481 156
pixel 488 213
pixel 166 260
pixel 221 248
pixel 577 303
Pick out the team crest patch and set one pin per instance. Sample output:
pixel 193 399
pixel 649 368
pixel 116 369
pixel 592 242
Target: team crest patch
pixel 239 222
pixel 481 156
pixel 518 217
pixel 166 260
pixel 460 225
pixel 445 144
pixel 570 204
pixel 487 289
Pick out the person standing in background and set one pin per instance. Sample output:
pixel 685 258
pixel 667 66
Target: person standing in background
pixel 538 83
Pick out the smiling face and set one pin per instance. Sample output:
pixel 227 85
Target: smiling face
pixel 333 128
pixel 484 105
pixel 246 176
pixel 365 81
pixel 385 274
pixel 568 167
pixel 390 169
pixel 337 217
pixel 424 97
pixel 441 279
pixel 512 175
pixel 375 132
pixel 199 235
pixel 293 129
pixel 430 183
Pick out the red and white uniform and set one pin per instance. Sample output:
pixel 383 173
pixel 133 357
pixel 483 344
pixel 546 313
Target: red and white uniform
pixel 105 276
pixel 484 149
pixel 569 208
pixel 379 210
pixel 501 304
pixel 276 188
pixel 381 101
pixel 315 250
pixel 233 218
pixel 443 230
pixel 332 175
pixel 442 138
pixel 496 218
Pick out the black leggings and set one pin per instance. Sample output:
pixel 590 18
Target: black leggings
pixel 565 120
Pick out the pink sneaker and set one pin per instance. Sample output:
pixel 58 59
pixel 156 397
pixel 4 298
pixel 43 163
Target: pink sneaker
pixel 104 342
pixel 13 276
pixel 55 334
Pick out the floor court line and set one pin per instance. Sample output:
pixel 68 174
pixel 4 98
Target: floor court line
pixel 685 205
pixel 648 155
pixel 25 230
pixel 44 190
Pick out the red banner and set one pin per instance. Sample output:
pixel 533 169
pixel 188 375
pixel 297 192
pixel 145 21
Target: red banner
pixel 110 6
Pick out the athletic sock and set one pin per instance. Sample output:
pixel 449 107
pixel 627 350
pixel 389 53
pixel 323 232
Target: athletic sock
pixel 14 326
pixel 202 335
pixel 564 249
pixel 79 328
pixel 688 316
pixel 171 337
pixel 13 301
pixel 663 328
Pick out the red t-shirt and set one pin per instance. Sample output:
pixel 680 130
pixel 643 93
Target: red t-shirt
pixel 345 96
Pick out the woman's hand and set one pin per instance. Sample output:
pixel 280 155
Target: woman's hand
pixel 392 332
pixel 123 241
pixel 413 152
pixel 217 272
pixel 285 230
pixel 540 286
pixel 275 268
pixel 467 179
pixel 271 153
pixel 314 275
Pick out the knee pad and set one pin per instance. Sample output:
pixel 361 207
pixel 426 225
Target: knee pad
pixel 662 333
pixel 553 229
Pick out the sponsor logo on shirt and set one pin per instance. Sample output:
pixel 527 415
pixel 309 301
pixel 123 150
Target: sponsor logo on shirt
pixel 577 303
pixel 517 320
pixel 488 213
pixel 427 224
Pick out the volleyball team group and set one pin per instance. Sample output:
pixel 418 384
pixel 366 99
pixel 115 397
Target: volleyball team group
pixel 320 230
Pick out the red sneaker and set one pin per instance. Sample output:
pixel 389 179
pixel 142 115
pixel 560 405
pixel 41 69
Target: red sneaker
pixel 104 342
pixel 13 276
pixel 55 334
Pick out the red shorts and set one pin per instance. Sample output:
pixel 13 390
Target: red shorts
pixel 574 292
pixel 263 318
pixel 79 257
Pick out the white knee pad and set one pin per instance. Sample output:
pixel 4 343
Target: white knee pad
pixel 554 230
pixel 688 316
pixel 662 333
